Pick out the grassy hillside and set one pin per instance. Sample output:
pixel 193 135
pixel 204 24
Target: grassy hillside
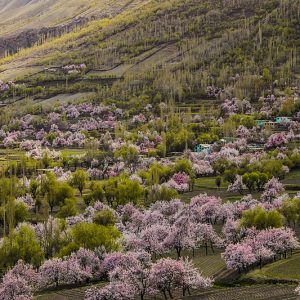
pixel 19 15
pixel 172 49
pixel 281 270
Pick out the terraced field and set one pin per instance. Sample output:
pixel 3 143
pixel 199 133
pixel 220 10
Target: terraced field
pixel 66 98
pixel 285 269
pixel 214 191
pixel 257 292
pixel 293 177
pixel 210 265
pixel 63 295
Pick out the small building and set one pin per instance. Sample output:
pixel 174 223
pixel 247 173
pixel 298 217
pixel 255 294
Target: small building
pixel 255 147
pixel 266 123
pixel 230 139
pixel 203 148
pixel 276 123
pixel 261 123
pixel 282 120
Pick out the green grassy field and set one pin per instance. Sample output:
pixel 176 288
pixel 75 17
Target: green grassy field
pixel 207 185
pixel 256 292
pixel 69 152
pixel 209 182
pixel 64 294
pixel 209 265
pixel 285 269
pixel 293 177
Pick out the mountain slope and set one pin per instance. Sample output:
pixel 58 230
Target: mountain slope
pixel 25 23
pixel 19 15
pixel 174 49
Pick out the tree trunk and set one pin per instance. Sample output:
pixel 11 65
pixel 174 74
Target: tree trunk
pixel 165 295
pixel 212 248
pixel 260 263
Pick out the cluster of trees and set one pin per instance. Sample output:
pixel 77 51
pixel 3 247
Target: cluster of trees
pixel 258 247
pixel 165 227
pixel 291 211
pixel 33 244
pixel 255 181
pixel 260 219
pixel 131 275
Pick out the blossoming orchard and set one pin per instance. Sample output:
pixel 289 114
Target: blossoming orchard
pixel 146 201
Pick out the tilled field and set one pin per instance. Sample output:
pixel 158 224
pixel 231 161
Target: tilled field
pixel 257 292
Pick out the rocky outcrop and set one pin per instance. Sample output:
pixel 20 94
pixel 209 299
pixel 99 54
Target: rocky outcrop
pixel 25 39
